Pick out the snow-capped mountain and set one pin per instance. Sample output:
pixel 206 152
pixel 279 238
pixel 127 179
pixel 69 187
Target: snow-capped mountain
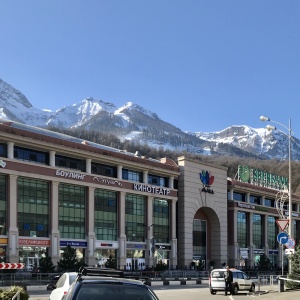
pixel 134 122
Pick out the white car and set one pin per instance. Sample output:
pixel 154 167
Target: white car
pixel 62 285
pixel 241 281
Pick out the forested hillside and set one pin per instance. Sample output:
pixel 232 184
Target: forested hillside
pixel 231 162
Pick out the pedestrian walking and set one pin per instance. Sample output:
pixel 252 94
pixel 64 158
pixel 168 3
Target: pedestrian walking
pixel 228 280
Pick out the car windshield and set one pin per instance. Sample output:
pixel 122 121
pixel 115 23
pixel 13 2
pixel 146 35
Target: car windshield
pixel 114 292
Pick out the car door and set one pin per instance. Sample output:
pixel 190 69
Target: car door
pixel 247 280
pixel 217 279
pixel 57 293
pixel 241 281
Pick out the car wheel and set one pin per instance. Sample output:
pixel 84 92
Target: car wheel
pixel 213 292
pixel 235 289
pixel 252 289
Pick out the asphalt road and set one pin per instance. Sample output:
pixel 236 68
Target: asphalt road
pixel 190 292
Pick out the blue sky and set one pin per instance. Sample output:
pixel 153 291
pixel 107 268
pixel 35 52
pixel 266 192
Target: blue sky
pixel 201 65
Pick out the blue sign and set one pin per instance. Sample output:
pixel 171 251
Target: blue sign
pixel 73 244
pixel 282 238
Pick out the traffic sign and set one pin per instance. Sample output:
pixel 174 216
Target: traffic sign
pixel 289 251
pixel 290 243
pixel 11 266
pixel 282 223
pixel 282 238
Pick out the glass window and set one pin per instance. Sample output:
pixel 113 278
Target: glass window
pixel 72 204
pixel 135 219
pixel 3 150
pixel 3 205
pixel 161 220
pixel 104 170
pixel 272 233
pixel 269 202
pixel 257 231
pixel 70 163
pixel 255 200
pixel 33 207
pixel 199 238
pixel 35 156
pixel 158 180
pixel 132 175
pixel 239 197
pixel 106 215
pixel 242 229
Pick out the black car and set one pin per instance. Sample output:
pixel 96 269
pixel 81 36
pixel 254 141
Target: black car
pixel 98 284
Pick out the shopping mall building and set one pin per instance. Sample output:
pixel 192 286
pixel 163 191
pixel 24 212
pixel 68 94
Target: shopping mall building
pixel 58 190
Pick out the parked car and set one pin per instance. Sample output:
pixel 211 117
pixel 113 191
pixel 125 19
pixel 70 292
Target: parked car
pixel 62 285
pixel 241 281
pixel 104 284
pixel 53 280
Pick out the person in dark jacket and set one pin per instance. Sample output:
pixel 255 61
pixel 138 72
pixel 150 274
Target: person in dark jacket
pixel 228 277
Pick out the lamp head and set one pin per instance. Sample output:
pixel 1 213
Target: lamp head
pixel 264 119
pixel 270 127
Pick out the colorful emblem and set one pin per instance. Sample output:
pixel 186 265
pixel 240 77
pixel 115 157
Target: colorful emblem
pixel 206 178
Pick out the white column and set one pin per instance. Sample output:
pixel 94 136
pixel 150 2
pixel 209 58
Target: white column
pixel 119 171
pixel 145 177
pixel 13 233
pixel 91 237
pixel 55 234
pixel 171 182
pixel 150 225
pixel 173 256
pixel 52 158
pixel 122 234
pixel 10 150
pixel 88 165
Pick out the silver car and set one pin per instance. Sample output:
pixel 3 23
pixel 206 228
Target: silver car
pixel 241 281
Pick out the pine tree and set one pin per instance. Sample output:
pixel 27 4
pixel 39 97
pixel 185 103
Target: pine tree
pixel 111 263
pixel 46 264
pixel 68 260
pixel 295 269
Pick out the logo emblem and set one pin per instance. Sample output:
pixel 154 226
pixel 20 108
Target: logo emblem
pixel 207 181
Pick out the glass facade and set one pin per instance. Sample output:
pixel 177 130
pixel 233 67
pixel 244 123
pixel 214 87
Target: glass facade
pixel 104 170
pixel 72 208
pixel 257 232
pixel 239 197
pixel 270 202
pixel 161 221
pixel 3 150
pixel 70 163
pixel 158 180
pixel 272 233
pixel 132 175
pixel 30 155
pixel 255 200
pixel 106 215
pixel 33 207
pixel 135 218
pixel 199 239
pixel 242 229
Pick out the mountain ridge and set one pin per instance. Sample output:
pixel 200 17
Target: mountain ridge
pixel 140 125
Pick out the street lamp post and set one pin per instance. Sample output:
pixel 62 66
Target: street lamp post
pixel 269 127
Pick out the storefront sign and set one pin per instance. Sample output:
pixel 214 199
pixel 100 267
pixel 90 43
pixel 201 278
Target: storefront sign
pixel 162 247
pixel 259 251
pixel 73 244
pixel 107 181
pixel 34 242
pixel 69 174
pixel 244 253
pixel 245 205
pixel 3 241
pixel 151 189
pixel 293 214
pixel 261 178
pixel 136 246
pixel 106 245
pixel 273 252
pixel 2 163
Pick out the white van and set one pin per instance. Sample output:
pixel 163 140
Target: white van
pixel 241 281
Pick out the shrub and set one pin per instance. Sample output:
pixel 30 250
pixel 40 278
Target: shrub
pixel 7 294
